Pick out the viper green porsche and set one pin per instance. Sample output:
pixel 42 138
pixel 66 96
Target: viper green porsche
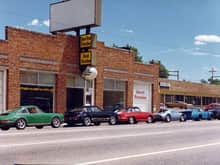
pixel 25 116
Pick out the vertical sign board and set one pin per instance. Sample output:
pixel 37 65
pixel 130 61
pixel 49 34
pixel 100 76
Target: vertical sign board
pixel 87 56
pixel 74 14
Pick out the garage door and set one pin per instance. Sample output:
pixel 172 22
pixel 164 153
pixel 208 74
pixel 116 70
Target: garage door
pixel 142 95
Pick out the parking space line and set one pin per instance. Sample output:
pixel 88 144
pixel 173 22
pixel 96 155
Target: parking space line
pixel 149 154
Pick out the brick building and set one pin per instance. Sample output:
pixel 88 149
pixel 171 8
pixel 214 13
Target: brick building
pixel 43 69
pixel 199 94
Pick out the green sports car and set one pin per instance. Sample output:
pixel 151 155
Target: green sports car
pixel 24 116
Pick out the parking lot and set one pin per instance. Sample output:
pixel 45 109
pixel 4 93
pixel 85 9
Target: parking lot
pixel 188 143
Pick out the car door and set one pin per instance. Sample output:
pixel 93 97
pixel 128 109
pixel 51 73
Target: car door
pixel 35 116
pixel 140 114
pixel 175 115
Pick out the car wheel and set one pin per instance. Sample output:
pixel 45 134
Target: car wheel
pixel 112 120
pixel 39 126
pixel 150 119
pixel 182 118
pixel 131 120
pixel 20 124
pixel 97 123
pixel 168 118
pixel 87 121
pixel 55 123
pixel 5 128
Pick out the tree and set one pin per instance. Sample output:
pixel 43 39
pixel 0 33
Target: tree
pixel 137 56
pixel 203 81
pixel 163 71
pixel 214 81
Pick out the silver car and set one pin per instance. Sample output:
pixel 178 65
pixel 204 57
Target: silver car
pixel 169 114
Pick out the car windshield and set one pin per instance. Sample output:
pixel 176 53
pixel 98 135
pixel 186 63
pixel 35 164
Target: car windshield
pixel 78 109
pixel 162 110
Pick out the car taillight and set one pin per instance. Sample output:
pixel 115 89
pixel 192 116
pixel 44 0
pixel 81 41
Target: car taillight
pixel 4 121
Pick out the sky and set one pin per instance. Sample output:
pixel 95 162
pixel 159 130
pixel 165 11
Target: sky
pixel 183 34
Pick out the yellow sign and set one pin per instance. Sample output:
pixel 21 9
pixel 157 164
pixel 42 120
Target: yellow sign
pixel 87 41
pixel 86 58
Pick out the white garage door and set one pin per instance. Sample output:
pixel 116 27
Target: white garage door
pixel 142 95
pixel 1 91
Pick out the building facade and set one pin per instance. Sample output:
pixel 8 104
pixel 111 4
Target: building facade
pixel 198 94
pixel 43 70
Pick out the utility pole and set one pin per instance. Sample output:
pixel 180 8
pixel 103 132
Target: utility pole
pixel 212 71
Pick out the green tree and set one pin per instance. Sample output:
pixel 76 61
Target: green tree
pixel 214 81
pixel 163 72
pixel 137 56
pixel 204 81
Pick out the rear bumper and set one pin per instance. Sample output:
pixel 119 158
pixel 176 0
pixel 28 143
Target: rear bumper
pixel 4 125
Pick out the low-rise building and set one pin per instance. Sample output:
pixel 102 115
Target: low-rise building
pixel 198 94
pixel 43 70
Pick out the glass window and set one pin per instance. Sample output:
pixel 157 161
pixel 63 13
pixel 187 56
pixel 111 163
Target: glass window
pixel 70 82
pixel 109 84
pixel 46 78
pixel 28 77
pixel 79 82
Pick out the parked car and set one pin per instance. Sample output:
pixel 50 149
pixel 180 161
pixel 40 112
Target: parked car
pixel 24 116
pixel 216 113
pixel 88 115
pixel 197 114
pixel 168 115
pixel 212 106
pixel 133 115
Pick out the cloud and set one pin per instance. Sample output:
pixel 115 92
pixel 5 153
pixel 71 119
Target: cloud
pixel 200 53
pixel 199 43
pixel 204 39
pixel 46 23
pixel 127 30
pixel 34 22
pixel 37 22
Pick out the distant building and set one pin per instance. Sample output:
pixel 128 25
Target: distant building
pixel 198 94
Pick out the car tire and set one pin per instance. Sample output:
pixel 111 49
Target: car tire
pixel 131 120
pixel 112 120
pixel 5 128
pixel 39 126
pixel 150 119
pixel 87 121
pixel 97 123
pixel 168 118
pixel 20 124
pixel 55 123
pixel 182 118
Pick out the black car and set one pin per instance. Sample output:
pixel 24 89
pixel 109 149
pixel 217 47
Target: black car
pixel 216 113
pixel 88 115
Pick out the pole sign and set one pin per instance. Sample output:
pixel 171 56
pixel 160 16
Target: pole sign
pixel 87 41
pixel 87 56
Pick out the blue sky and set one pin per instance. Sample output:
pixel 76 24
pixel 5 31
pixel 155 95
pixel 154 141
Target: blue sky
pixel 183 34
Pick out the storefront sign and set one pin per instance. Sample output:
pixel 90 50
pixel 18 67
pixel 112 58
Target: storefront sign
pixel 87 41
pixel 165 84
pixel 140 94
pixel 86 58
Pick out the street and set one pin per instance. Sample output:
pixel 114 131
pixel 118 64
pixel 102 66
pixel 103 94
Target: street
pixel 158 143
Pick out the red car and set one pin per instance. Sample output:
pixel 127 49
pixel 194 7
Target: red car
pixel 133 115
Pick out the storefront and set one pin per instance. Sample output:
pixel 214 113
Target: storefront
pixel 37 88
pixel 197 94
pixel 142 95
pixel 114 93
pixel 79 92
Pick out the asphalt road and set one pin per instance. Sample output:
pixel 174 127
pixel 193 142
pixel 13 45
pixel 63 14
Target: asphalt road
pixel 174 143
